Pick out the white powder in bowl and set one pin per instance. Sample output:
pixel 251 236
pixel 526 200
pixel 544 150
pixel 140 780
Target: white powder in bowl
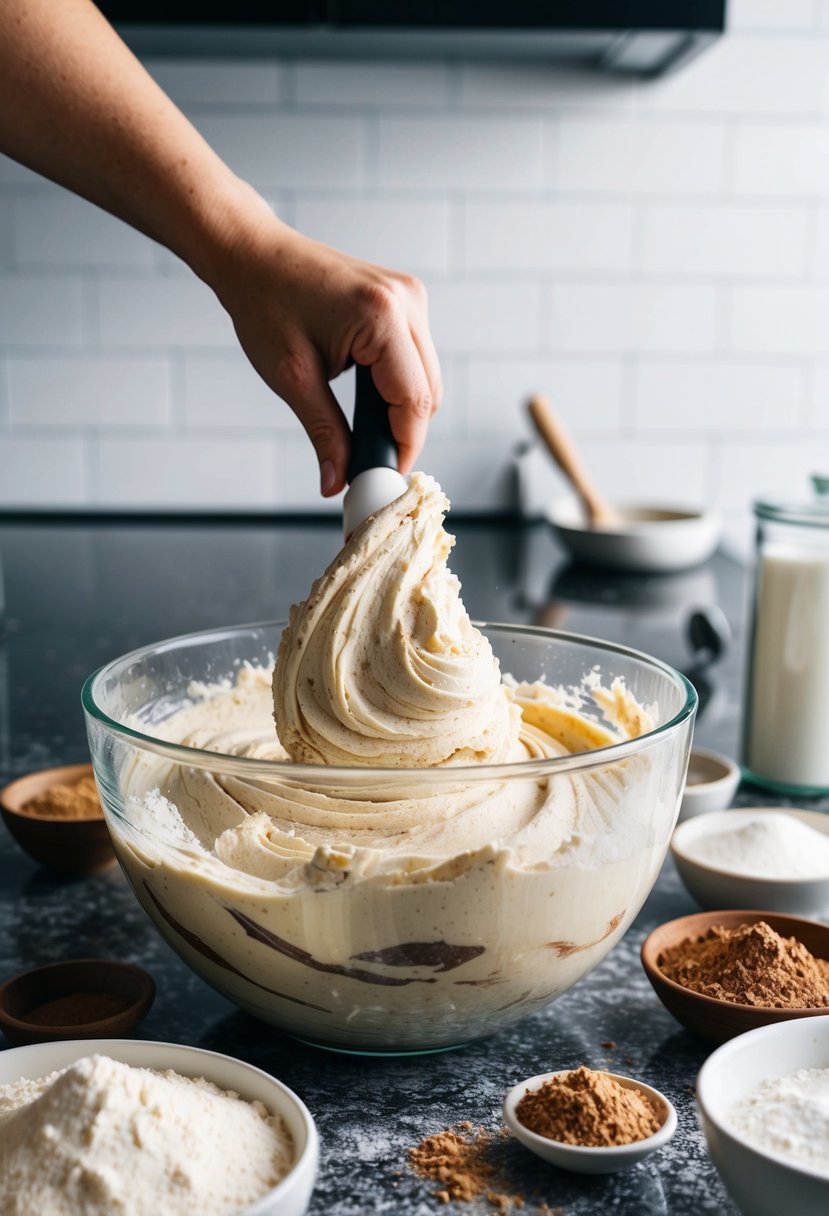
pixel 102 1138
pixel 790 1116
pixel 773 845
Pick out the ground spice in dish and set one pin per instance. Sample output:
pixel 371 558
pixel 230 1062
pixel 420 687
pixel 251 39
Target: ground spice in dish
pixel 67 800
pixel 749 965
pixel 588 1108
pixel 77 1008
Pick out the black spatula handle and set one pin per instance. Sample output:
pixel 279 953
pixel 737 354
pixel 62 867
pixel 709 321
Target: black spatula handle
pixel 372 443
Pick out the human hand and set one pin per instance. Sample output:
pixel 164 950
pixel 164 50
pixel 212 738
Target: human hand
pixel 303 312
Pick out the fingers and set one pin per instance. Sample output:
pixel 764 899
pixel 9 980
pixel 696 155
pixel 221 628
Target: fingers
pixel 302 384
pixel 395 342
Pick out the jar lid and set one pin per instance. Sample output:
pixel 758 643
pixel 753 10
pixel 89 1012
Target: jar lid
pixel 810 515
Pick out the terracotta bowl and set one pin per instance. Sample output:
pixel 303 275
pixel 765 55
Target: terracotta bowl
pixel 707 1016
pixel 72 846
pixel 21 996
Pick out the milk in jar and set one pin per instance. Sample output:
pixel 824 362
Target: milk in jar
pixel 786 719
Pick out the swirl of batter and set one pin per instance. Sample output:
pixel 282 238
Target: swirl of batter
pixel 381 665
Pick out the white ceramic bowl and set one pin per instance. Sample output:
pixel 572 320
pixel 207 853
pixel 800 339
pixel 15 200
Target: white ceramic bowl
pixel 590 1160
pixel 710 785
pixel 292 1195
pixel 715 887
pixel 652 537
pixel 762 1182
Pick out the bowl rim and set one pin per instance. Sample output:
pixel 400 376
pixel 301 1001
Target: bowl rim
pixel 803 814
pixel 246 766
pixel 306 1157
pixel 655 973
pixel 688 518
pixel 709 1066
pixel 730 773
pixel 586 1152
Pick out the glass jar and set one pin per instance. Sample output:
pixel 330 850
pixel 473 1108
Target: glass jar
pixel 786 711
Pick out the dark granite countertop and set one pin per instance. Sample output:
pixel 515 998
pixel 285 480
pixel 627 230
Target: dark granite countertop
pixel 74 594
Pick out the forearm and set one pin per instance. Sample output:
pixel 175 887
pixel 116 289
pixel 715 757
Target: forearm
pixel 78 107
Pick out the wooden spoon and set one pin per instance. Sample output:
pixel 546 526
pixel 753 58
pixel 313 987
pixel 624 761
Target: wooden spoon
pixel 600 513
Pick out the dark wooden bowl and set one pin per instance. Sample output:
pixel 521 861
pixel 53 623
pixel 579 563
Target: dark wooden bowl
pixel 706 1016
pixel 72 846
pixel 20 996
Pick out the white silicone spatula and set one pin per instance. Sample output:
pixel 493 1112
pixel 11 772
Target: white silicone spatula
pixel 373 478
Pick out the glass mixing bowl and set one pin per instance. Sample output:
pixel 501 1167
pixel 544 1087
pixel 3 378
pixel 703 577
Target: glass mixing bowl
pixel 451 902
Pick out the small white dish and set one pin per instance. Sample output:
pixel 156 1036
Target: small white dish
pixel 650 538
pixel 710 785
pixel 292 1195
pixel 590 1160
pixel 715 887
pixel 762 1182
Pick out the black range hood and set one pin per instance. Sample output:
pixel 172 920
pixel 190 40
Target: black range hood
pixel 640 37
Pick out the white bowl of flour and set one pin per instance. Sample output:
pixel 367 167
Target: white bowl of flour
pixel 772 858
pixel 100 1125
pixel 764 1103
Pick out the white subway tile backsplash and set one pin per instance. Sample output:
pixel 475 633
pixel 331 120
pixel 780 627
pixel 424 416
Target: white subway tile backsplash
pixel 652 156
pixel 780 320
pixel 631 317
pixel 162 311
pixel 88 391
pixel 720 239
pixel 43 311
pixel 68 231
pixel 509 86
pixel 466 153
pixel 403 234
pixel 296 151
pixel 821 260
pixel 818 414
pixel 772 15
pixel 538 236
pixel 225 392
pixel 782 159
pixel 42 472
pixel 12 173
pixel 777 468
pixel 718 397
pixel 778 76
pixel 587 393
pixel 217 82
pixel 185 472
pixel 485 317
pixel 654 255
pixel 371 83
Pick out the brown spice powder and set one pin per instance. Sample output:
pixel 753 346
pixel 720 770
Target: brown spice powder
pixel 67 800
pixel 749 965
pixel 461 1160
pixel 76 1009
pixel 588 1108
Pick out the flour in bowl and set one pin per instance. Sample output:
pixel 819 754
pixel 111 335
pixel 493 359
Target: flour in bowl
pixel 102 1138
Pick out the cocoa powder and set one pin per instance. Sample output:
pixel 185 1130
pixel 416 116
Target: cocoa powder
pixel 76 1009
pixel 588 1108
pixel 66 800
pixel 749 965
